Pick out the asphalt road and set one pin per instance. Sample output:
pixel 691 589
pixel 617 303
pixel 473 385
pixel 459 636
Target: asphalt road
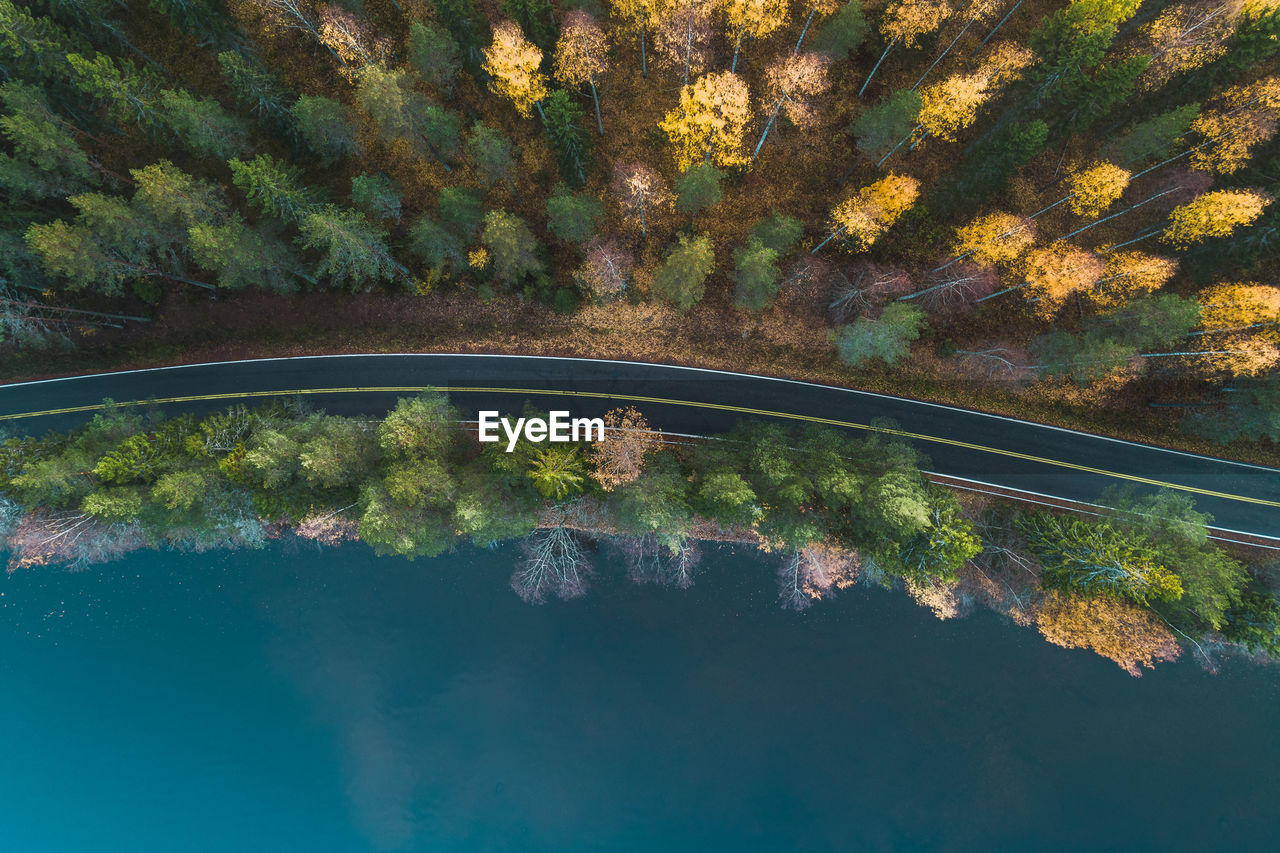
pixel 959 443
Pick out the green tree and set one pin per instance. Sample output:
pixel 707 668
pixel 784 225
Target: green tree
pixel 418 427
pixel 879 128
pixel 326 127
pixel 490 154
pixel 434 54
pixel 439 246
pixel 569 141
pixel 778 232
pixel 756 276
pixel 202 125
pixel 1154 138
pixel 353 251
pixel 939 550
pixel 1255 622
pixel 1211 580
pixel 682 279
pixel 698 189
pixel 512 246
pixel 1094 558
pixel 46 160
pixel 887 338
pixel 460 210
pixel 244 257
pixel 260 90
pixel 469 30
pixel 375 196
pixel 573 218
pixel 274 187
pixel 130 96
pixel 558 471
pixel 844 32
pixel 1252 412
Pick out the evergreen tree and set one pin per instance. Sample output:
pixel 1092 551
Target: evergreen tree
pixel 571 144
pixel 887 338
pixel 353 251
pixel 434 54
pixel 326 127
pixel 275 187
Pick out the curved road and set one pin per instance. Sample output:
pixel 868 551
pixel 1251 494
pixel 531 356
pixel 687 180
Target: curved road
pixel 982 448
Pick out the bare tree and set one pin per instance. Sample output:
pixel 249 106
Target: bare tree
pixel 815 571
pixel 650 559
pixel 555 564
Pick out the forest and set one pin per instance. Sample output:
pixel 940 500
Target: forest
pixel 1057 209
pixel 1131 585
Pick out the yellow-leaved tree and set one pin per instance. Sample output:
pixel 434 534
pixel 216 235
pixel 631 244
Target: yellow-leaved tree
pixel 1248 307
pixel 1243 118
pixel 906 21
pixel 751 19
pixel 1130 274
pixel 1213 214
pixel 1094 189
pixel 710 121
pixel 950 105
pixel 582 55
pixel 638 16
pixel 512 63
pixel 995 238
pixel 867 214
pixel 789 83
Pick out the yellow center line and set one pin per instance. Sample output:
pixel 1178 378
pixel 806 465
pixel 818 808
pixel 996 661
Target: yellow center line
pixel 636 398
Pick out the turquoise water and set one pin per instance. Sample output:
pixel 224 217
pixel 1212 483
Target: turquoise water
pixel 305 700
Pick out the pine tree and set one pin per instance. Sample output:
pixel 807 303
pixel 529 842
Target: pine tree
pixel 326 127
pixel 573 218
pixel 887 338
pixel 434 54
pixel 569 141
pixel 698 189
pixel 353 251
pixel 275 187
pixel 203 126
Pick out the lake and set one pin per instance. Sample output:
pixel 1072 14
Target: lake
pixel 297 699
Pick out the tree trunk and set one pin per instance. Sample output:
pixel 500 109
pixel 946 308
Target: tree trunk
pixel 807 22
pixel 644 66
pixel 767 125
pixel 942 55
pixel 733 66
pixel 877 66
pixel 595 97
pixel 999 25
pixel 1081 230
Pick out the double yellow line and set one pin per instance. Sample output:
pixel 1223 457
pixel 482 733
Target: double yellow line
pixel 635 398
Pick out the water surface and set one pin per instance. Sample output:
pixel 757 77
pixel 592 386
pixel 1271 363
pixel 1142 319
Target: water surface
pixel 304 700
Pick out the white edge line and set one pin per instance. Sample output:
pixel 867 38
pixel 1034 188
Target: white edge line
pixel 1084 503
pixel 708 370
